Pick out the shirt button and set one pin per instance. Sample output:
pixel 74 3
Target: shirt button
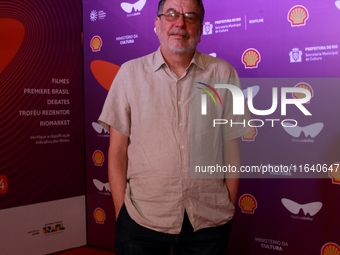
pixel 179 102
pixel 182 146
pixel 180 124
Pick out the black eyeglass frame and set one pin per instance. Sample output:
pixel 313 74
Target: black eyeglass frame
pixel 167 15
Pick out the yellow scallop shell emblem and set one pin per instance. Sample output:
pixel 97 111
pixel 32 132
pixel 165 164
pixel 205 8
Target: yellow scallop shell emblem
pixel 251 58
pixel 303 86
pixel 298 15
pixel 96 43
pixel 330 249
pixel 98 158
pixel 247 203
pixel 99 215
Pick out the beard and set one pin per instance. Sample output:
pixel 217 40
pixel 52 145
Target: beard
pixel 177 48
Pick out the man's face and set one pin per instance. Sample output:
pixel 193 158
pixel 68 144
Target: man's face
pixel 179 36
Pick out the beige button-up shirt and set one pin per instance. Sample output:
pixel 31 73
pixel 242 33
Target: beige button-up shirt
pixel 161 114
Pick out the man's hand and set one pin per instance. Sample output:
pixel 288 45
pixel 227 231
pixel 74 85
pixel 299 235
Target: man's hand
pixel 117 167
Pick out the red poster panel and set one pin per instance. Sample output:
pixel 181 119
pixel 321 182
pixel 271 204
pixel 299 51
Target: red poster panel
pixel 41 102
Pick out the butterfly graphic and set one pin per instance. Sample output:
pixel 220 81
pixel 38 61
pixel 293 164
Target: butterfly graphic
pixel 310 208
pixel 99 185
pixel 311 130
pixel 137 6
pixel 99 128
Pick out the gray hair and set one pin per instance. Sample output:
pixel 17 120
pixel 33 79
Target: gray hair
pixel 199 2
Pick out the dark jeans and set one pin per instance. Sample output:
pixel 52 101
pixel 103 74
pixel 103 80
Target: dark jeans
pixel 133 239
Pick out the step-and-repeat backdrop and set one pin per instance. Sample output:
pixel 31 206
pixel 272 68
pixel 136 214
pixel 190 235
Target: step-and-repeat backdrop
pixel 42 191
pixel 290 160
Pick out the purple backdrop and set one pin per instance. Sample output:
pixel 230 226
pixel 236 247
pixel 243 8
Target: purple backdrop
pixel 271 44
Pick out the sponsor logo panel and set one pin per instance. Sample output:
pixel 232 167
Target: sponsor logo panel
pixel 53 228
pixel 247 203
pixel 99 215
pixel 100 130
pixel 127 39
pixel 251 58
pixel 330 249
pixel 97 15
pixel 96 43
pixel 207 28
pixel 103 188
pixel 298 15
pixel 309 132
pixel 308 210
pixel 271 244
pixel 98 158
pixel 295 55
pixel 133 9
pixel 227 25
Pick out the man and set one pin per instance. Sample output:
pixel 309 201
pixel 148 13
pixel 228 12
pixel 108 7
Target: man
pixel 157 132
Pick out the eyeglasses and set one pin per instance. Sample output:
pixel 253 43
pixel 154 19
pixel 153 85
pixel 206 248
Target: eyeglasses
pixel 189 17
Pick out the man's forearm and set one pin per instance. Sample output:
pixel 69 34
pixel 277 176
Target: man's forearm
pixel 117 168
pixel 232 185
pixel 232 157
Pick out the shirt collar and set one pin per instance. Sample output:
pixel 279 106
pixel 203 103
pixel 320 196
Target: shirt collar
pixel 158 60
pixel 198 60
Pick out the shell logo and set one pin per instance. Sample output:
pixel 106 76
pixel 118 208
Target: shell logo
pixel 330 249
pixel 99 215
pixel 96 43
pixel 298 15
pixel 247 203
pixel 303 85
pixel 251 58
pixel 98 158
pixel 250 136
pixel 334 174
